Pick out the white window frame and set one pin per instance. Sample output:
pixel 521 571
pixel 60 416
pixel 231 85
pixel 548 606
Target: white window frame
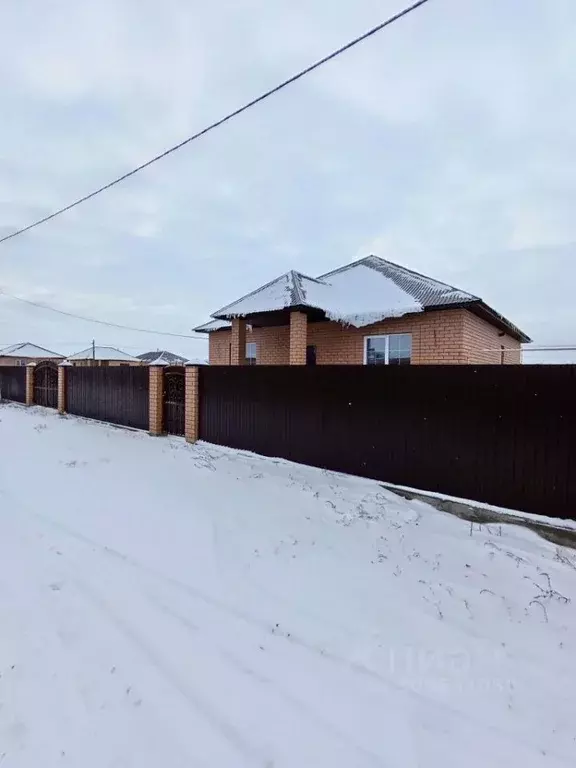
pixel 387 349
pixel 255 358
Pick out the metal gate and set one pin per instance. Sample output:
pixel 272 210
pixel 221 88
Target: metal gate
pixel 46 385
pixel 174 388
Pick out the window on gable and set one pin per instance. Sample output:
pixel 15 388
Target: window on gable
pixel 393 349
pixel 251 353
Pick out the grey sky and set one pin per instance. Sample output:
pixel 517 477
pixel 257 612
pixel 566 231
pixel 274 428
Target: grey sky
pixel 446 143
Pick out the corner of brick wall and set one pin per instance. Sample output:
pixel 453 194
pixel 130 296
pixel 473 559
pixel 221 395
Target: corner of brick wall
pixel 62 384
pixel 191 404
pixel 156 425
pixel 30 383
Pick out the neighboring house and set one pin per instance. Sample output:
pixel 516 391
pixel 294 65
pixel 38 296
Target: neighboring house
pixel 162 357
pixel 371 311
pixel 22 354
pixel 103 356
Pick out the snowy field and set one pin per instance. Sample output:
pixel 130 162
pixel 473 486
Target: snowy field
pixel 177 606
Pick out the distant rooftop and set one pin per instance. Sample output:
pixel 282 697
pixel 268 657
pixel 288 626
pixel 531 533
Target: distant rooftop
pixel 26 349
pixel 104 353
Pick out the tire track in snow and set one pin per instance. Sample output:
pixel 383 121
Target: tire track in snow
pixel 209 713
pixel 316 650
pixel 300 706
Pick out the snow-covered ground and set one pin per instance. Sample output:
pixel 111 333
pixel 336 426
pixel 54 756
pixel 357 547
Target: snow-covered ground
pixel 169 605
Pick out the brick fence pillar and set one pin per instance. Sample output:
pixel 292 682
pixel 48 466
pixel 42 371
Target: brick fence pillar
pixel 156 425
pixel 238 344
pixel 298 338
pixel 62 383
pixel 30 383
pixel 191 404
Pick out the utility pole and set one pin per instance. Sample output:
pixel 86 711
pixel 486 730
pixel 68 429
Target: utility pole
pixel 93 349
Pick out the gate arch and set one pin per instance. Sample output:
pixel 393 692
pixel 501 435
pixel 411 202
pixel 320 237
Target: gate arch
pixel 173 400
pixel 46 384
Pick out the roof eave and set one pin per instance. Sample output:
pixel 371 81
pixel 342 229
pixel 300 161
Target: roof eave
pixel 486 312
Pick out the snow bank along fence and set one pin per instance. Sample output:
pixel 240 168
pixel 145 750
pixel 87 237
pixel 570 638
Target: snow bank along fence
pixel 504 435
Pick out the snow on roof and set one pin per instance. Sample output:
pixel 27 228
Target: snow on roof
pixel 361 293
pixel 357 295
pixel 426 290
pixel 360 297
pixel 103 353
pixel 213 325
pixel 28 350
pixel 168 358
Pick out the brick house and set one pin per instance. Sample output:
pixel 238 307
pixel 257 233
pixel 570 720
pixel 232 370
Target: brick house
pixel 100 357
pixel 22 354
pixel 371 311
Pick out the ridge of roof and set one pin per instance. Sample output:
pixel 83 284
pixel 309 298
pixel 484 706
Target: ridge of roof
pixel 377 262
pixel 293 288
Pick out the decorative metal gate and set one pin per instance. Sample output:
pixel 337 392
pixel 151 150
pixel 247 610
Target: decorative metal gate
pixel 46 385
pixel 174 388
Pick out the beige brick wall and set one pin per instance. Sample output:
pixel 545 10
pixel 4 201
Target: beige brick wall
pixel 62 381
pixel 30 385
pixel 298 338
pixel 12 360
pixel 446 337
pixel 191 404
pixel 484 344
pixel 238 342
pixel 156 401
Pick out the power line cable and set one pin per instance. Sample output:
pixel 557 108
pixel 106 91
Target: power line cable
pixel 99 322
pixel 221 121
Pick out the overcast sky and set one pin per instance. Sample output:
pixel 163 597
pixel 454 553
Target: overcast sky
pixel 446 143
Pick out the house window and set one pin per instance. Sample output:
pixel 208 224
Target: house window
pixel 251 353
pixel 20 362
pixel 311 355
pixel 394 349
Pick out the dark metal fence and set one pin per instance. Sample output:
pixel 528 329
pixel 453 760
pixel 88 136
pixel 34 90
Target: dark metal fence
pixel 13 383
pixel 119 394
pixel 504 435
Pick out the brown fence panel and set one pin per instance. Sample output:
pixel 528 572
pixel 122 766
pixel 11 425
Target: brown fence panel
pixel 504 435
pixel 13 383
pixel 118 394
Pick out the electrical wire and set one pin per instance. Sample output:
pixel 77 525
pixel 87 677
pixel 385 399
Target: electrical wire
pixel 221 121
pixel 99 322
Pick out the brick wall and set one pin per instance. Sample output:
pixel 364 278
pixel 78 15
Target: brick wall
pixel 483 343
pixel 13 360
pixel 298 338
pixel 272 345
pixel 446 337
